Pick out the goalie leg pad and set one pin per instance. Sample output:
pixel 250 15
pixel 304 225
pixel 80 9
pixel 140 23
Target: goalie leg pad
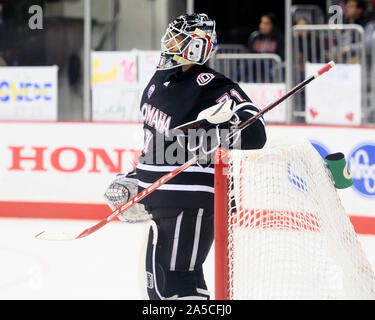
pixel 154 274
pixel 177 248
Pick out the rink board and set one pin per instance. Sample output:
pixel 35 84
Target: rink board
pixel 61 169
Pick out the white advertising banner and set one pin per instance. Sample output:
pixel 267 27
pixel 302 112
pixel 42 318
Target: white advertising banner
pixel 334 98
pixel 262 94
pixel 64 162
pixel 75 162
pixel 28 93
pixel 118 81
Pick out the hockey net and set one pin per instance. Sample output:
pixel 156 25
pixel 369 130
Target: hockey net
pixel 280 229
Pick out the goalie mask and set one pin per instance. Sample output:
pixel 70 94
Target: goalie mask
pixel 189 39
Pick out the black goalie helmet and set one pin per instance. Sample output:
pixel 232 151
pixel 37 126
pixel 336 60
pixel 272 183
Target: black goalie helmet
pixel 191 38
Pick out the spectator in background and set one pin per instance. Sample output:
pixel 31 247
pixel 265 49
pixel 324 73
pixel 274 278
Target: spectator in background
pixel 299 36
pixel 308 46
pixel 370 28
pixel 370 9
pixel 355 12
pixel 306 49
pixel 369 31
pixel 268 38
pixel 302 21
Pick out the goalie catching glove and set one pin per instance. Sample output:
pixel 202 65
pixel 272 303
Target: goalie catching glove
pixel 120 191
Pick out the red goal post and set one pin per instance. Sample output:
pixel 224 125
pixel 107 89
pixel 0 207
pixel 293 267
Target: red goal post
pixel 221 225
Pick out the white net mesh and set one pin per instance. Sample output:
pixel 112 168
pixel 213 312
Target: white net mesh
pixel 289 237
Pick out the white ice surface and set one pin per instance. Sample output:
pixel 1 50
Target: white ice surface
pixel 104 265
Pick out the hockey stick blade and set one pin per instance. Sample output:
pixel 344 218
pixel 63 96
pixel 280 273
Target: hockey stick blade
pixel 50 235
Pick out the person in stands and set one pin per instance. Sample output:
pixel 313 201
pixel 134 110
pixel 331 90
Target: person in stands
pixel 267 39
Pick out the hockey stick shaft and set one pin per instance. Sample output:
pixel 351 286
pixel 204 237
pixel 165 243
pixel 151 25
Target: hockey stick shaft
pixel 268 108
pixel 121 209
pixel 139 196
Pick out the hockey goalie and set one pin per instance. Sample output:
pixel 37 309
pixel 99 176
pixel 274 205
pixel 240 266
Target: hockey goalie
pixel 182 210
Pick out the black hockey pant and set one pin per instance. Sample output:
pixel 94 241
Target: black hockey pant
pixel 175 257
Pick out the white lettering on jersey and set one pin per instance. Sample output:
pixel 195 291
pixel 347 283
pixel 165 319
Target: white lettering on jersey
pixel 233 93
pixel 204 78
pixel 156 118
pixel 223 98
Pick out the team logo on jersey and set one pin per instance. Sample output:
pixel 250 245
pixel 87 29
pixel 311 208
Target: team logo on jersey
pixel 204 78
pixel 150 91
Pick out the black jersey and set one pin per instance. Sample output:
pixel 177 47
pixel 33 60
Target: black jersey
pixel 170 99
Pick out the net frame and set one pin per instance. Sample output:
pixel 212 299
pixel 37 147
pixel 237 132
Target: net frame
pixel 344 272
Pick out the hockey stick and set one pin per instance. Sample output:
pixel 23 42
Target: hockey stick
pixel 45 235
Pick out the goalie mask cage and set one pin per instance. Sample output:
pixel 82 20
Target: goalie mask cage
pixel 280 229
